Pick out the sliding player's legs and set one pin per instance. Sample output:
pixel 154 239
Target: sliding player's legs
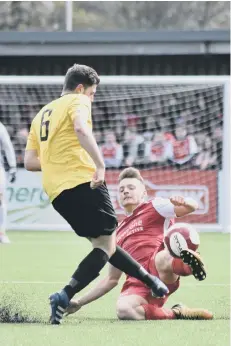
pixel 3 210
pixel 135 307
pixel 170 268
pixel 136 303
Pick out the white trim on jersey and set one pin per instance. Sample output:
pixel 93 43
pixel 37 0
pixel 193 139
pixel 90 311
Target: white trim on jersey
pixel 7 147
pixel 164 207
pixel 166 224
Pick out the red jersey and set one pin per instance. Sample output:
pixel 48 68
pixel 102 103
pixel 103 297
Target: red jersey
pixel 142 233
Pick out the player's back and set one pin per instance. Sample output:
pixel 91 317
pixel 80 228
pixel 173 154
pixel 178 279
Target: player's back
pixel 65 164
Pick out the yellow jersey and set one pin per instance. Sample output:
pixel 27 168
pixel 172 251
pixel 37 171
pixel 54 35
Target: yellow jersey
pixel 64 163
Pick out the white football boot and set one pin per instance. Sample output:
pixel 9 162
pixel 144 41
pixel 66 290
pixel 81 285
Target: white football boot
pixel 4 239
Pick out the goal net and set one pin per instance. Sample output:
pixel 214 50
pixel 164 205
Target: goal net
pixel 171 128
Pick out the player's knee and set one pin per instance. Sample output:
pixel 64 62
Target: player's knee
pixel 105 243
pixel 162 261
pixel 124 312
pixel 110 250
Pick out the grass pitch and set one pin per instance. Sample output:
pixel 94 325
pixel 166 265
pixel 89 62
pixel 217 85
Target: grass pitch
pixel 39 263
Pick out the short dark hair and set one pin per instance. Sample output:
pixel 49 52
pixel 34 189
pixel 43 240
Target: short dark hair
pixel 80 74
pixel 130 172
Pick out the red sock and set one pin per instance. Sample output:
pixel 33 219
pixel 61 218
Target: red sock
pixel 180 268
pixel 154 313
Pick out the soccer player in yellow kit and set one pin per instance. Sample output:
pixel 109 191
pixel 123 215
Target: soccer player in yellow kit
pixel 61 144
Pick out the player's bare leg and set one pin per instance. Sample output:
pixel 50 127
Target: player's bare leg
pixel 135 307
pixel 170 268
pixel 191 264
pixel 163 264
pixel 130 307
pixel 105 243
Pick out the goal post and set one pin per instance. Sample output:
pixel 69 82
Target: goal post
pixel 142 110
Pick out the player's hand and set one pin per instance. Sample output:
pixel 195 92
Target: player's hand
pixel 12 174
pixel 98 178
pixel 177 201
pixel 73 307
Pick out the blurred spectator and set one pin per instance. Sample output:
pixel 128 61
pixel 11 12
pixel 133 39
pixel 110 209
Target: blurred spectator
pixel 112 151
pixel 119 132
pixel 156 149
pixel 131 120
pixel 217 138
pixel 200 139
pixel 164 125
pixel 98 136
pixel 150 125
pixel 207 158
pixel 183 148
pixel 132 142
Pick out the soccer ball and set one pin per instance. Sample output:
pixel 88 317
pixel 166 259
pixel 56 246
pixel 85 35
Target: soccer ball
pixel 181 236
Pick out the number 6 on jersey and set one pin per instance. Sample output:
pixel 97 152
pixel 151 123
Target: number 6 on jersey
pixel 44 128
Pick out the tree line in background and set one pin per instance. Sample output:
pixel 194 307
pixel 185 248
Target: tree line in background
pixel 115 15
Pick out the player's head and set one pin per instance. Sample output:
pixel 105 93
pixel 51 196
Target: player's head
pixel 132 190
pixel 82 80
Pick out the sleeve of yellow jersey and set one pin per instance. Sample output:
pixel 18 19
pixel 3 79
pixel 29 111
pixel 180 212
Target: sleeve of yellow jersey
pixel 79 109
pixel 32 143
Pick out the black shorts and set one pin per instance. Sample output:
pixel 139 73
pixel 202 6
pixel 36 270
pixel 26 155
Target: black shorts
pixel 89 212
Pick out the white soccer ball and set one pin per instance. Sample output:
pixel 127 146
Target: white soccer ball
pixel 181 236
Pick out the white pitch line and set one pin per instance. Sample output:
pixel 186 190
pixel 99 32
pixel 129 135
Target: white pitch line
pixel 61 282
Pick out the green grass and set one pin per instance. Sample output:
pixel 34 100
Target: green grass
pixel 50 258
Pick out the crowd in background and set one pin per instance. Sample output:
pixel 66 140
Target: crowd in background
pixel 146 126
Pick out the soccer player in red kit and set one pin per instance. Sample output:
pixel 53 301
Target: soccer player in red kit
pixel 141 234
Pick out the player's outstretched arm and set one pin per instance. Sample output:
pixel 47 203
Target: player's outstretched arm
pixel 183 206
pixel 101 288
pixel 31 161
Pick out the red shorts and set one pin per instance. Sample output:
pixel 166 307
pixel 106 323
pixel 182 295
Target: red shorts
pixel 133 286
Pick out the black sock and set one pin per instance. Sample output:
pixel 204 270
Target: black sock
pixel 86 272
pixel 124 262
